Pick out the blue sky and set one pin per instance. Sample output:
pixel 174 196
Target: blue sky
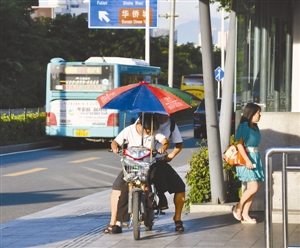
pixel 188 10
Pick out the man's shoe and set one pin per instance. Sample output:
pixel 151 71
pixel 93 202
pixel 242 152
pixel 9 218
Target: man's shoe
pixel 163 202
pixel 116 229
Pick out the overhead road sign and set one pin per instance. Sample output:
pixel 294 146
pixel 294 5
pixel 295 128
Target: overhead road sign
pixel 219 74
pixel 121 14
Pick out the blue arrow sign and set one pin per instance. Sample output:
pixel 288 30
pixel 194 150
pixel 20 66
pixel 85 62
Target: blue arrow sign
pixel 121 14
pixel 219 74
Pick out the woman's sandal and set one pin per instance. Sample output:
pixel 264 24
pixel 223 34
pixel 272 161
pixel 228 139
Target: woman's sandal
pixel 235 215
pixel 108 229
pixel 179 226
pixel 249 221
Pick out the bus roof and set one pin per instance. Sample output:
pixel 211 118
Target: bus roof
pixel 118 60
pixel 193 75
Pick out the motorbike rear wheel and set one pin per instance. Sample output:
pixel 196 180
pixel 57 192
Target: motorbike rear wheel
pixel 136 211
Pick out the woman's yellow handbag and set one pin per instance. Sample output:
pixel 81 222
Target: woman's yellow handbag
pixel 233 157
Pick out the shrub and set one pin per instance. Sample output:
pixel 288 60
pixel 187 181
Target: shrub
pixel 198 177
pixel 16 129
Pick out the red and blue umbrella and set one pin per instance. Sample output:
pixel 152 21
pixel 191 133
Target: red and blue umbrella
pixel 142 97
pixel 187 97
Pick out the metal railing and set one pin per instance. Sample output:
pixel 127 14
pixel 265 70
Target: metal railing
pixel 268 191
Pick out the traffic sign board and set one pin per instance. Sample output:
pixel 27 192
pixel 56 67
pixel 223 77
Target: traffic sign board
pixel 219 74
pixel 121 14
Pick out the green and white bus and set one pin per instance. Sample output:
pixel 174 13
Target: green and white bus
pixel 73 113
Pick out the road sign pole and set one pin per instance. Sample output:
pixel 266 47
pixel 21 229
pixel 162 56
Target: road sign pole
pixel 147 33
pixel 171 44
pixel 219 75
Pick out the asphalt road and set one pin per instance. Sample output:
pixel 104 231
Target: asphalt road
pixel 35 180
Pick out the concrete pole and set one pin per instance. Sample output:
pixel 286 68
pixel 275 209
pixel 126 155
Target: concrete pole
pixel 222 48
pixel 199 35
pixel 212 123
pixel 227 96
pixel 147 33
pixel 171 43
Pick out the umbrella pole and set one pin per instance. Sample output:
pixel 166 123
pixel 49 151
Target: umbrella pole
pixel 151 148
pixel 124 124
pixel 142 129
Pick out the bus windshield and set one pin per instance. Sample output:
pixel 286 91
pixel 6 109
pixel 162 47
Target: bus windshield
pixel 81 77
pixel 73 113
pixel 193 84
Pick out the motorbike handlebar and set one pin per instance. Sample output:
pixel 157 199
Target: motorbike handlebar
pixel 155 153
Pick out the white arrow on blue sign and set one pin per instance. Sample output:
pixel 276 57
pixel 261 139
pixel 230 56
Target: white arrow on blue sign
pixel 121 14
pixel 219 74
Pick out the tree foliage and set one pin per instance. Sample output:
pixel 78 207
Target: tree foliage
pixel 224 4
pixel 28 44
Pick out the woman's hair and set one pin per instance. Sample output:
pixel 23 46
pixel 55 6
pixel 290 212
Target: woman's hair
pixel 249 111
pixel 148 119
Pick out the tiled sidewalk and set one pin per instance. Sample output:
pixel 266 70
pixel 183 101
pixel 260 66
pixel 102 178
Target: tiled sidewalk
pixel 80 223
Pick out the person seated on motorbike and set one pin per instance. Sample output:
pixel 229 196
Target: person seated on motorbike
pixel 163 176
pixel 132 136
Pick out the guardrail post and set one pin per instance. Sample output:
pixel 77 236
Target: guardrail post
pixel 268 192
pixel 268 199
pixel 284 200
pixel 25 110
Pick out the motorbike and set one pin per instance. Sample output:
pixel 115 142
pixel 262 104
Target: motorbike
pixel 142 198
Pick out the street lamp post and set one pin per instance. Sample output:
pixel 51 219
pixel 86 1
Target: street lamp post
pixel 222 45
pixel 171 41
pixel 171 44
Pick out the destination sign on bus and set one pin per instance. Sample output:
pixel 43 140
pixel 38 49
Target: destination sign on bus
pixel 82 78
pixel 80 87
pixel 73 80
pixel 82 70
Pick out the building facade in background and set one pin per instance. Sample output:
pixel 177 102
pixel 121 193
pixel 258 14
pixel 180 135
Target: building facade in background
pixel 54 8
pixel 163 32
pixel 225 37
pixel 268 54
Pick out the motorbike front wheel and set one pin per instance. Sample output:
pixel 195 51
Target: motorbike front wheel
pixel 149 216
pixel 136 211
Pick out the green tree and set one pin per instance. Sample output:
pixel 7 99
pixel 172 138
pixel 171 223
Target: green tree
pixel 27 45
pixel 187 60
pixel 18 85
pixel 226 4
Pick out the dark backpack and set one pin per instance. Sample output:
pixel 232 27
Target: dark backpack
pixel 172 127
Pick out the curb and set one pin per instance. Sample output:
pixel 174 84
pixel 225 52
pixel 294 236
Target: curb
pixel 211 207
pixel 28 146
pixel 180 122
